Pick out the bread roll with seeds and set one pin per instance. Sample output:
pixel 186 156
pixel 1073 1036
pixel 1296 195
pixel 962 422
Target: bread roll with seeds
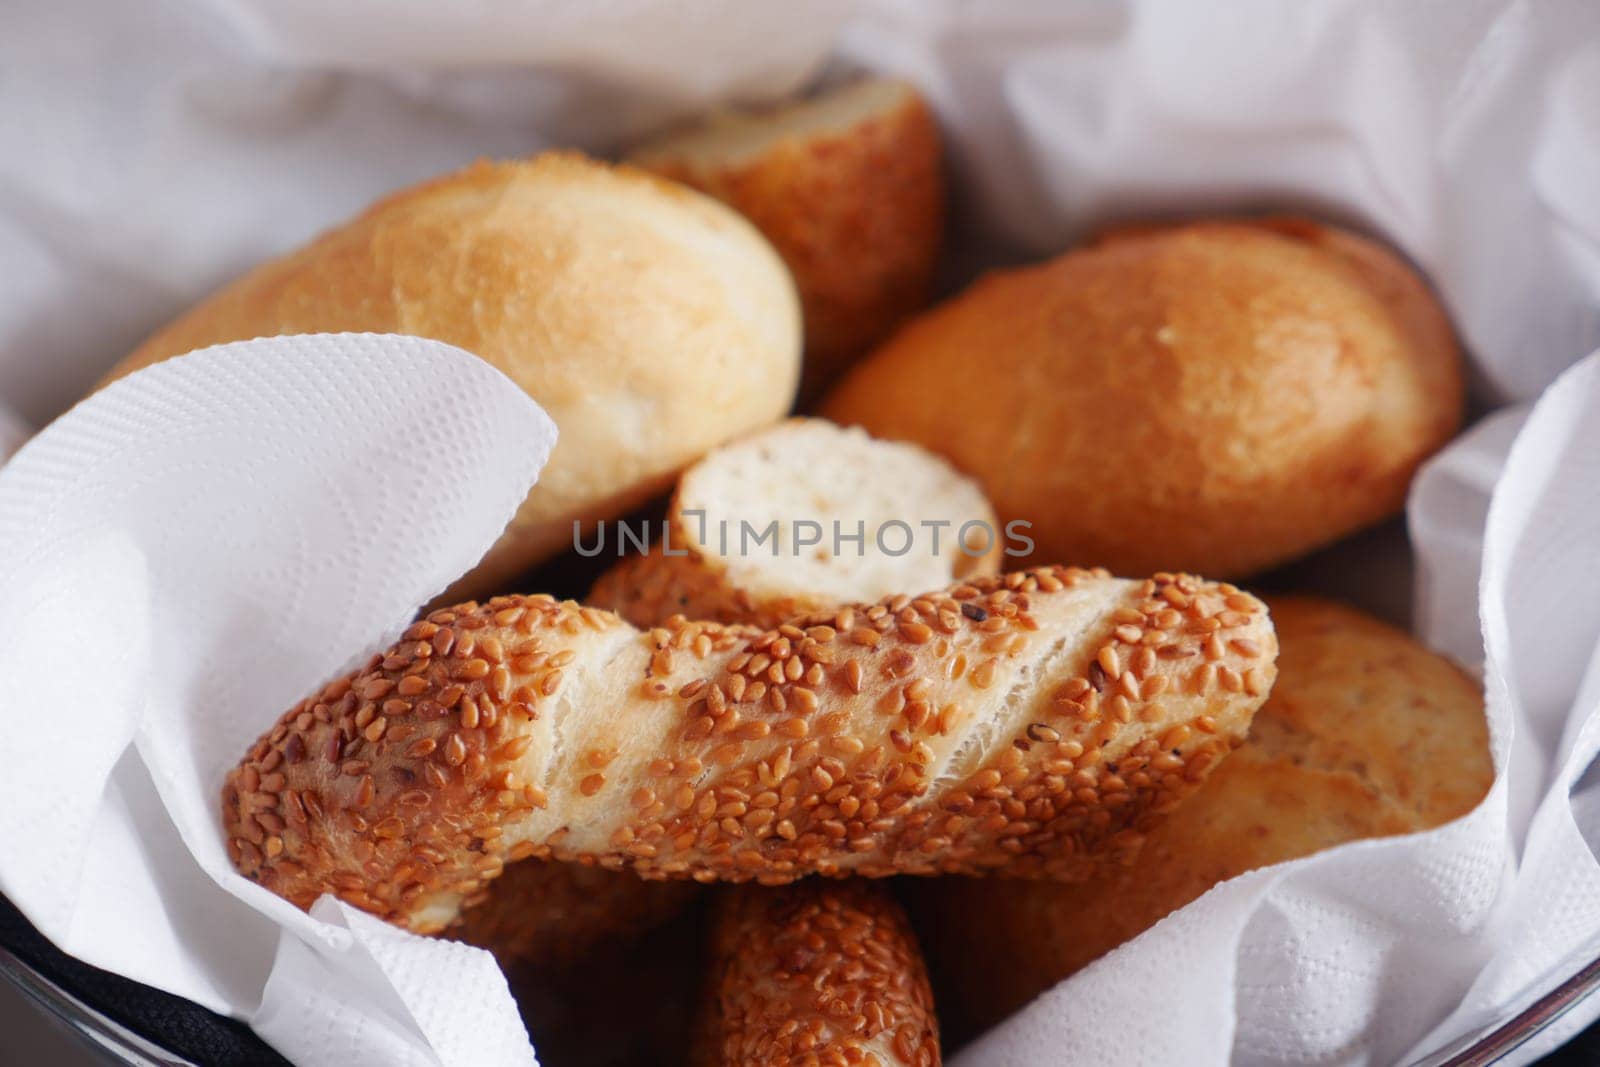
pixel 816 972
pixel 614 298
pixel 1035 724
pixel 805 470
pixel 848 186
pixel 1367 734
pixel 1218 397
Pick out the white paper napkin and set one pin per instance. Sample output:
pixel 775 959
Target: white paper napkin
pixel 182 557
pixel 149 152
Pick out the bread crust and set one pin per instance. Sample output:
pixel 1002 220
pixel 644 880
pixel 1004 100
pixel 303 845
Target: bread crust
pixel 816 972
pixel 650 321
pixel 856 211
pixel 1034 724
pixel 551 915
pixel 1217 396
pixel 652 587
pixel 1367 734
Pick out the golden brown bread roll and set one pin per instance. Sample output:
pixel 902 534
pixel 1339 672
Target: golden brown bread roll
pixel 816 972
pixel 850 189
pixel 1367 734
pixel 1218 396
pixel 805 470
pixel 651 322
pixel 1036 724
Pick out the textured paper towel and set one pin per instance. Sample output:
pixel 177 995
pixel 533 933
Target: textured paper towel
pixel 149 153
pixel 182 557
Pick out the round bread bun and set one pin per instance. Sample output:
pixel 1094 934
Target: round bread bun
pixel 1366 734
pixel 848 186
pixel 1218 396
pixel 650 321
pixel 725 567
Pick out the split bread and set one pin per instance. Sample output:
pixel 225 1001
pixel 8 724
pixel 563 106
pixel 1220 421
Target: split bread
pixel 848 186
pixel 885 517
pixel 1367 734
pixel 1035 724
pixel 816 972
pixel 1218 397
pixel 619 301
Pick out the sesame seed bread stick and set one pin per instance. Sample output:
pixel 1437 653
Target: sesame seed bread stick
pixel 816 972
pixel 650 321
pixel 805 470
pixel 848 186
pixel 1034 724
pixel 1367 734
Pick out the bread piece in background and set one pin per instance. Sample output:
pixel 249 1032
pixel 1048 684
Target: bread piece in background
pixel 805 470
pixel 848 186
pixel 650 321
pixel 554 914
pixel 816 972
pixel 1217 396
pixel 629 1002
pixel 1367 734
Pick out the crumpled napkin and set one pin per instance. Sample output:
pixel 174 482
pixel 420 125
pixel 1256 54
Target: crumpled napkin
pixel 182 557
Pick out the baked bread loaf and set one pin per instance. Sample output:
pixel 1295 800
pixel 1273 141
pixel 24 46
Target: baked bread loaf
pixel 553 914
pixel 1367 734
pixel 1035 724
pixel 816 972
pixel 890 518
pixel 1218 396
pixel 651 322
pixel 848 186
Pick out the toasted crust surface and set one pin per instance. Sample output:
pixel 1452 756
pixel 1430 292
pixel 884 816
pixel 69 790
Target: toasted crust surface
pixel 1367 734
pixel 850 189
pixel 817 972
pixel 651 322
pixel 1034 724
pixel 1218 396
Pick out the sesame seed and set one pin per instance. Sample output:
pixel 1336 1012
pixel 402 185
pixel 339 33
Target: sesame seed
pixel 1108 661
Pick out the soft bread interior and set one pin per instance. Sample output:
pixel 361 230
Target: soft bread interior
pixel 813 471
pixel 736 137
